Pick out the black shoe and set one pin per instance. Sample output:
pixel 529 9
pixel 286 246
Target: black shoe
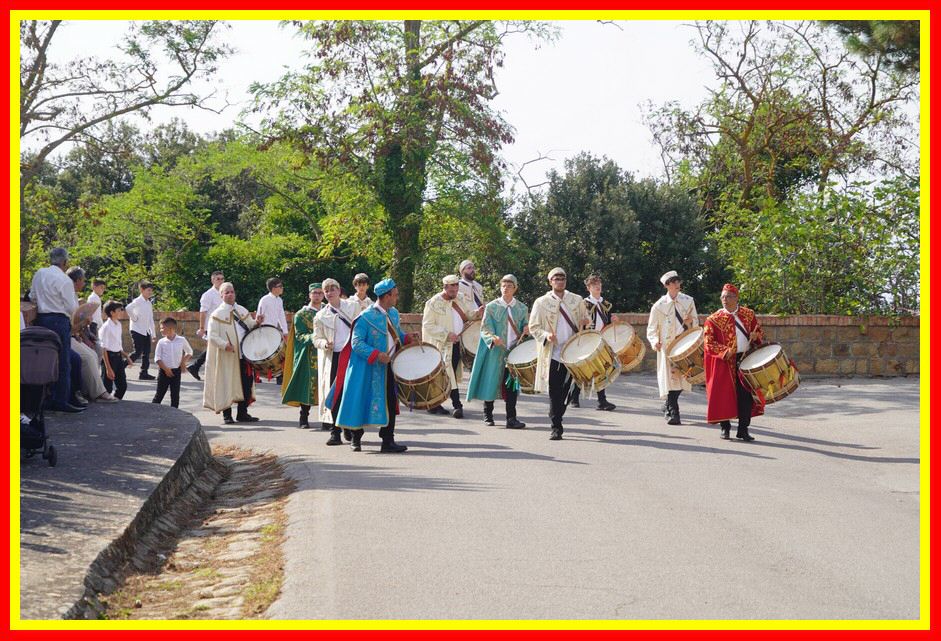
pixel 745 437
pixel 303 424
pixel 438 410
pixel 194 372
pixel 68 408
pixel 355 446
pixel 555 436
pixel 325 427
pixel 335 438
pixel 488 420
pixel 246 418
pixel 393 448
pixel 606 406
pixel 575 403
pixel 458 412
pixel 513 424
pixel 348 435
pixel 725 435
pixel 228 420
pixel 674 420
pixel 147 377
pixel 77 403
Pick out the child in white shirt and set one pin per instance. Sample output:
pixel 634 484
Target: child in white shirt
pixel 172 353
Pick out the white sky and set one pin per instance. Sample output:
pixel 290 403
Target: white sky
pixel 580 93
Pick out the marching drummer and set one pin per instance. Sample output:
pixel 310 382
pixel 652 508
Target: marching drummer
pixel 333 326
pixel 442 322
pixel 229 376
pixel 670 316
pixel 505 323
pixel 727 335
pixel 557 316
pixel 272 307
pixel 600 312
pixel 301 360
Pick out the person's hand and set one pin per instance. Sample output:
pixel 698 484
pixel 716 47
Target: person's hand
pixel 753 336
pixel 525 332
pixel 260 318
pixel 453 338
pixel 729 355
pixel 657 347
pixel 551 338
pixel 201 332
pixel 614 319
pixel 498 341
pixel 153 339
pixel 329 346
pixel 168 372
pixel 229 348
pixel 110 375
pixel 413 336
pixel 384 358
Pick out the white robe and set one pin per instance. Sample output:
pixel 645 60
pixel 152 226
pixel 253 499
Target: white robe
pixel 324 332
pixel 223 386
pixel 543 320
pixel 437 321
pixel 663 326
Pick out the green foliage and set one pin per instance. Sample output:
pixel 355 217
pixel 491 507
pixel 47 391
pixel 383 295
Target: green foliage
pixel 899 41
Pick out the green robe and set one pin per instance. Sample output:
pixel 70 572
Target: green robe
pixel 487 375
pixel 301 389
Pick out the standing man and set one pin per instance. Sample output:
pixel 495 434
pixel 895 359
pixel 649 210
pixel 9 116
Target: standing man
pixel 557 316
pixel 670 316
pixel 442 322
pixel 208 302
pixel 361 285
pixel 472 290
pixel 143 331
pixel 97 289
pixel 600 312
pixel 505 323
pixel 229 377
pixel 272 307
pixel 301 388
pixel 54 295
pixel 727 335
pixel 364 374
pixel 333 327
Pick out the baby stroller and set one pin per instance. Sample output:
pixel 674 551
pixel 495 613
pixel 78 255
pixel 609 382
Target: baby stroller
pixel 39 371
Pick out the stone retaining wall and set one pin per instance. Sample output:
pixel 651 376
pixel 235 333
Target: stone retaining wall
pixel 819 345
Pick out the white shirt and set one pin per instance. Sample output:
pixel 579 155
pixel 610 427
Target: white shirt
pixel 210 301
pixel 473 290
pixel 742 341
pixel 272 307
pixel 171 351
pixel 458 321
pixel 599 324
pixel 109 335
pixel 364 303
pixel 511 336
pixel 341 331
pixel 141 312
pixel 53 292
pixel 563 331
pixel 96 317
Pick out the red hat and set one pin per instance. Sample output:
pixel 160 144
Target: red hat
pixel 729 287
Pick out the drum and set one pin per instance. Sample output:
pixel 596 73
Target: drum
pixel 627 345
pixel 521 363
pixel 422 380
pixel 767 368
pixel 686 354
pixel 470 338
pixel 591 360
pixel 264 347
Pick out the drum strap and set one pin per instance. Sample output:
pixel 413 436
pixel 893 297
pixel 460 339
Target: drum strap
pixel 460 312
pixel 739 327
pixel 679 318
pixel 473 291
pixel 342 317
pixel 395 334
pixel 566 317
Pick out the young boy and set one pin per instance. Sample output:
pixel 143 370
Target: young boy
pixel 140 311
pixel 171 355
pixel 97 291
pixel 361 284
pixel 113 356
pixel 272 307
pixel 600 312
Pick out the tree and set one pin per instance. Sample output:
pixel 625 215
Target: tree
pixel 70 102
pixel 396 104
pixel 899 41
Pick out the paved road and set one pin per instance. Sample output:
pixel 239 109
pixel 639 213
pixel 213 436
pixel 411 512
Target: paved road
pixel 626 518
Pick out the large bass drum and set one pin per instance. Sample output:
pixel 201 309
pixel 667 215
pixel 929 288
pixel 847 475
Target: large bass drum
pixel 264 348
pixel 521 363
pixel 422 379
pixel 591 360
pixel 470 338
pixel 767 368
pixel 686 353
pixel 625 342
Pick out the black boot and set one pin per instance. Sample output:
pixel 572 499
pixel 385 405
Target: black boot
pixel 456 404
pixel 573 397
pixel 227 416
pixel 488 412
pixel 356 443
pixel 673 407
pixel 726 426
pixel 335 437
pixel 603 403
pixel 742 433
pixel 305 415
pixel 348 435
pixel 556 434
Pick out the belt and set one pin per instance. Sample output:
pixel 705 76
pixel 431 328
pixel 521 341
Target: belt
pixel 54 314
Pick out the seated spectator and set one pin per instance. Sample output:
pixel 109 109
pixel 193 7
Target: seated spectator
pixel 87 379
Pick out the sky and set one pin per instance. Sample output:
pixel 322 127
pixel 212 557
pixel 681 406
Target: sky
pixel 583 92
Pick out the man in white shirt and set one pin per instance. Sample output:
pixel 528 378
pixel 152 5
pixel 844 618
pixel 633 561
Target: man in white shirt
pixel 208 302
pixel 98 287
pixel 171 355
pixel 361 285
pixel 600 312
pixel 272 307
pixel 140 311
pixel 471 289
pixel 441 325
pixel 54 295
pixel 333 326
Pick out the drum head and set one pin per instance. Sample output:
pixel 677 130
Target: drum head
pixel 618 336
pixel 581 346
pixel 525 352
pixel 684 343
pixel 416 361
pixel 471 336
pixel 261 342
pixel 761 356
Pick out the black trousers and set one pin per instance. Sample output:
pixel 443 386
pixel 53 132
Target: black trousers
pixel 141 349
pixel 198 362
pixel 247 376
pixel 509 399
pixel 387 433
pixel 602 398
pixel 334 364
pixel 455 361
pixel 560 381
pixel 165 383
pixel 745 403
pixel 119 384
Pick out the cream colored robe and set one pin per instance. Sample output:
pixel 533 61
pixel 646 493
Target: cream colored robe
pixel 468 290
pixel 662 326
pixel 223 386
pixel 543 320
pixel 324 330
pixel 437 320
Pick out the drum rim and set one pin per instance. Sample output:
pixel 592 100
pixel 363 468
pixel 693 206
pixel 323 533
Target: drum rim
pixel 515 347
pixel 410 346
pixel 584 332
pixel 680 337
pixel 614 326
pixel 756 348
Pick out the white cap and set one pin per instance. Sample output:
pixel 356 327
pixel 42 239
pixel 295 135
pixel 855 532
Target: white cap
pixel 670 274
pixel 450 279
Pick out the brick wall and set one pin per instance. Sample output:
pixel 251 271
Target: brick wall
pixel 820 345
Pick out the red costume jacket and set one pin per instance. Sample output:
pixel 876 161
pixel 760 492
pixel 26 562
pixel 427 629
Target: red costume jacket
pixel 718 340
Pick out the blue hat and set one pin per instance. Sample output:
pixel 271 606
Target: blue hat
pixel 383 287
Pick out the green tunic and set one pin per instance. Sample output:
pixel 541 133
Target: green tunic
pixel 487 375
pixel 302 387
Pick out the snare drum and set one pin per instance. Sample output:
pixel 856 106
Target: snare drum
pixel 591 360
pixel 470 338
pixel 521 363
pixel 625 342
pixel 686 354
pixel 422 380
pixel 264 347
pixel 769 369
